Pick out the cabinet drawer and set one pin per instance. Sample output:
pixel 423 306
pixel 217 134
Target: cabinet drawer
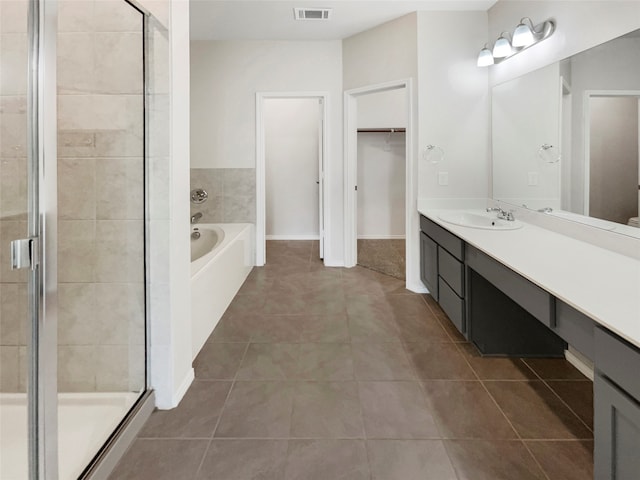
pixel 451 271
pixel 429 264
pixel 442 237
pixel 575 328
pixel 616 432
pixel 533 299
pixel 618 360
pixel 452 305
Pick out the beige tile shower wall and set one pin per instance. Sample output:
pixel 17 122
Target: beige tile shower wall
pixel 101 204
pixel 232 194
pixel 13 191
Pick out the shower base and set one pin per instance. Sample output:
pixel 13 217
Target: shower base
pixel 85 421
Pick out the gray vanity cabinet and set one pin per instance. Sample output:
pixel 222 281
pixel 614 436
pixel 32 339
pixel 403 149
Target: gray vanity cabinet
pixel 429 264
pixel 575 328
pixel 442 269
pixel 617 432
pixel 616 408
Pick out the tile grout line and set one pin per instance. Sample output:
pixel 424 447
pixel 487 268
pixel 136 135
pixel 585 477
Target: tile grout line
pixel 524 444
pixel 365 438
pixel 544 381
pixel 519 437
pixel 213 432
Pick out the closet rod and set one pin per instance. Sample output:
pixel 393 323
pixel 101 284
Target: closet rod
pixel 381 130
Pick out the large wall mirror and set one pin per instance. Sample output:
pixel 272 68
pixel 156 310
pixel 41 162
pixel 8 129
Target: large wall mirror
pixel 566 138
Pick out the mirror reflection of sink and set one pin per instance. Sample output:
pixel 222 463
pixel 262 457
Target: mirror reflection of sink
pixel 479 220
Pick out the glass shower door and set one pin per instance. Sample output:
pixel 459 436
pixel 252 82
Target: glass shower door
pixel 27 392
pixel 101 224
pixel 13 225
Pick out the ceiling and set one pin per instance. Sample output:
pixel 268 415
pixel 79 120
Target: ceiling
pixel 273 20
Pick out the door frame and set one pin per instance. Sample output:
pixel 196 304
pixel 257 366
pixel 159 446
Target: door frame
pixel 351 178
pixel 588 94
pixel 323 166
pixel 42 341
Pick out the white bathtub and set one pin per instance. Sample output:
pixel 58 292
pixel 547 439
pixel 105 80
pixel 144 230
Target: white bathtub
pixel 224 256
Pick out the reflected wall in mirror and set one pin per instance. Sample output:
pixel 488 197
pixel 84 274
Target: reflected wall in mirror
pixel 526 117
pixel 588 107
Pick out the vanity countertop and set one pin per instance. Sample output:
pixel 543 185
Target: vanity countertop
pixel 602 284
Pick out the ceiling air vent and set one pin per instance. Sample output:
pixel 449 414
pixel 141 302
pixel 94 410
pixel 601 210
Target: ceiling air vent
pixel 312 13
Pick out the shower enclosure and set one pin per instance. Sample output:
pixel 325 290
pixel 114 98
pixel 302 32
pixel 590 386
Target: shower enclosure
pixel 75 95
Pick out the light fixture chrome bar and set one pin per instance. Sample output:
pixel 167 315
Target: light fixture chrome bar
pixel 540 32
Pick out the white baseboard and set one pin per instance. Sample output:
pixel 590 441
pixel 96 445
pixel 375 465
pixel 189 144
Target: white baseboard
pixel 416 287
pixel 182 389
pixel 292 237
pixel 582 364
pixel 381 237
pixel 331 263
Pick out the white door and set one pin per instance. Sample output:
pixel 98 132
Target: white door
pixel 291 172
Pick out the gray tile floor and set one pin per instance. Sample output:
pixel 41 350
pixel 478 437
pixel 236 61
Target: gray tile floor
pixel 326 373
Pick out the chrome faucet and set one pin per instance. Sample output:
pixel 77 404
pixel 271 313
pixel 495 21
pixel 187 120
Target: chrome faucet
pixel 546 210
pixel 502 214
pixel 195 218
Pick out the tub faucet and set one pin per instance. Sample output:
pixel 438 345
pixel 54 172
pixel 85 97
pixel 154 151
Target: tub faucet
pixel 195 218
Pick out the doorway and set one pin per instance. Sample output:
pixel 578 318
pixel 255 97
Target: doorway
pixel 360 112
pixel 290 169
pixel 612 163
pixel 381 166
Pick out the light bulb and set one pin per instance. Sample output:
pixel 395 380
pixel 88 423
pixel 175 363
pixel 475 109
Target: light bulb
pixel 523 36
pixel 502 48
pixel 485 58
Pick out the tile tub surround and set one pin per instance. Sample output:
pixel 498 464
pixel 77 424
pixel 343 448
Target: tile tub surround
pixel 356 387
pixel 232 194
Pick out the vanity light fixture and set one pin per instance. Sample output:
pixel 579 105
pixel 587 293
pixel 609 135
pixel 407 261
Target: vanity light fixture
pixel 524 36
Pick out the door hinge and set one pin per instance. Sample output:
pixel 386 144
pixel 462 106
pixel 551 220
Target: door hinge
pixel 24 253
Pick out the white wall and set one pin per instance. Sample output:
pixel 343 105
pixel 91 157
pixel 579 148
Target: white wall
pixel 454 104
pixel 225 77
pixel 171 371
pixel 381 54
pixel 381 185
pixel 526 115
pixel 291 167
pixel 579 25
pixel 384 54
pixel 382 110
pixel 179 224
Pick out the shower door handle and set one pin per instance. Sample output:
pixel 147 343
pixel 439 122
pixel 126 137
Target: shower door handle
pixel 24 253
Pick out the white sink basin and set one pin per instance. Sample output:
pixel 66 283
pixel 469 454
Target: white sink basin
pixel 479 220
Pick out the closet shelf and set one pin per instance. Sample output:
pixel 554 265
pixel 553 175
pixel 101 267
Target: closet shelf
pixel 381 130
